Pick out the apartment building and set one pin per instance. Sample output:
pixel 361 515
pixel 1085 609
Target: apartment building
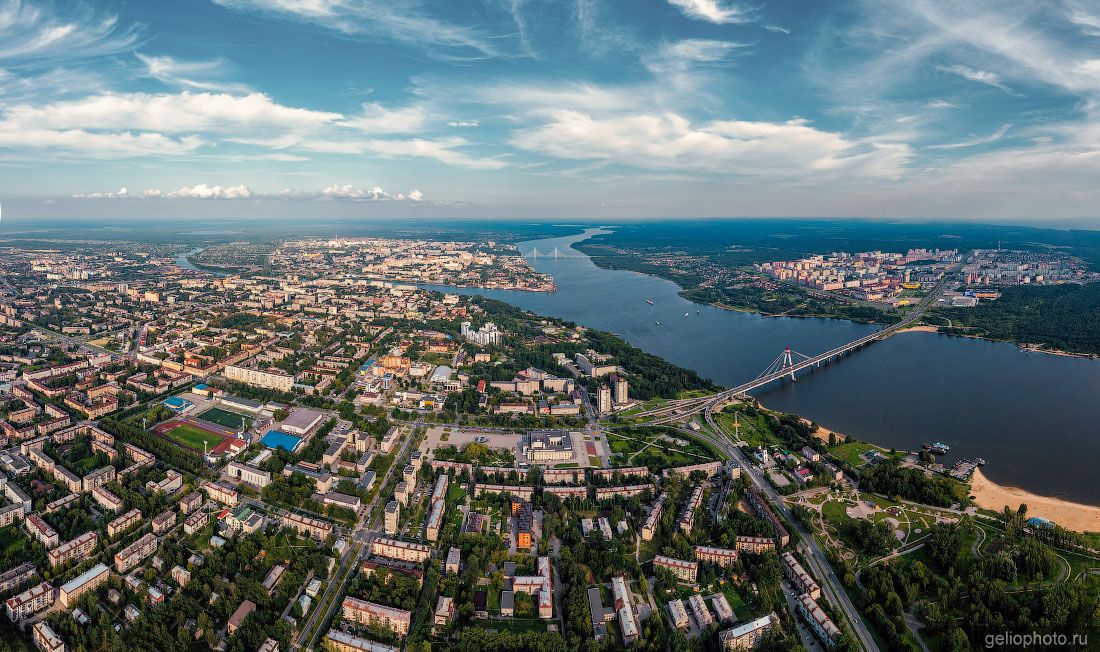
pixel 723 557
pixel 12 578
pixel 400 550
pixel 270 378
pixel 799 577
pixel 823 626
pixel 135 553
pixel 163 522
pixel 685 570
pixel 625 491
pixel 38 528
pixel 106 499
pixel 370 613
pixel 392 517
pixel 754 545
pixel 124 522
pixel 79 548
pixel 699 610
pixel 98 478
pixel 312 527
pixel 344 642
pixel 195 522
pixel 45 639
pixel 32 600
pixel 653 519
pixel 746 636
pixel 89 580
pixel 221 493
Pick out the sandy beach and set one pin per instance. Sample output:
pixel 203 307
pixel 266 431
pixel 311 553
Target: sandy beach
pixel 823 433
pixel 1072 516
pixel 920 329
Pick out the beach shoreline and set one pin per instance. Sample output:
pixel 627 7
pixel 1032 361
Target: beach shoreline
pixel 1072 516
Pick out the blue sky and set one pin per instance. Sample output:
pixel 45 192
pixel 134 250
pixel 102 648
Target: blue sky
pixel 557 108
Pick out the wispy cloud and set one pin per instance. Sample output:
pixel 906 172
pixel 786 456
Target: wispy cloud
pixel 715 11
pixel 168 124
pixel 32 32
pixel 672 142
pixel 981 76
pixel 976 140
pixel 400 21
pixel 193 75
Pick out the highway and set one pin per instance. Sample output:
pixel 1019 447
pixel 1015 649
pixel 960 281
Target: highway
pixel 819 565
pixel 359 542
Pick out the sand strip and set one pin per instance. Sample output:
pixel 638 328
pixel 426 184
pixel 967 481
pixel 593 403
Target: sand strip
pixel 1072 516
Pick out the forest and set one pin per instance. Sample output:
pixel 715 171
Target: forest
pixel 1061 317
pixel 889 478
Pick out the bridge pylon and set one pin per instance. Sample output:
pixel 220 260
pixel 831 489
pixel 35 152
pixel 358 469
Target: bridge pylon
pixel 788 363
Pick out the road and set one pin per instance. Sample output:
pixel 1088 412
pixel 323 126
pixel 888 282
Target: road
pixel 360 539
pixel 819 565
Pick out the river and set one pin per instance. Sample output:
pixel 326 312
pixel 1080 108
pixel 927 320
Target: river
pixel 1034 417
pixel 182 261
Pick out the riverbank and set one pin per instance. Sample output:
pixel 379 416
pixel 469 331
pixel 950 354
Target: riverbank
pixel 1072 516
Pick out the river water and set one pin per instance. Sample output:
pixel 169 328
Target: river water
pixel 1034 417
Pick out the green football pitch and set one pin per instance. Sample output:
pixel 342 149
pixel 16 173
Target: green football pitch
pixel 193 437
pixel 226 418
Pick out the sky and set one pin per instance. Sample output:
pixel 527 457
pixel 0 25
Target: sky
pixel 551 108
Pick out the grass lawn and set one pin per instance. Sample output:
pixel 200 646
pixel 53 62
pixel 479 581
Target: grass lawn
pixel 736 603
pixel 515 625
pixel 852 451
pixel 12 541
pixel 84 466
pixel 455 492
pixel 193 437
pixel 834 513
pixel 226 418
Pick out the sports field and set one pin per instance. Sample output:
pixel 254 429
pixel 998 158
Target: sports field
pixel 193 437
pixel 226 419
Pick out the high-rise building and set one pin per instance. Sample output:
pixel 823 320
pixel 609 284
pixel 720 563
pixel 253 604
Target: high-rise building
pixel 603 399
pixel 621 389
pixel 393 517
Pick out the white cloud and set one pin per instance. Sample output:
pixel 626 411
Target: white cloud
pixel 335 192
pixel 442 150
pixel 376 118
pixel 97 145
pixel 976 140
pixel 981 76
pixel 714 11
pixel 1088 22
pixel 353 193
pixel 168 124
pixel 672 61
pixel 203 191
pixel 194 75
pixel 33 32
pixel 941 104
pixel 463 123
pixel 671 141
pixel 169 113
pixel 399 21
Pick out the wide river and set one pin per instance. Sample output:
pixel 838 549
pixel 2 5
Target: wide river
pixel 1034 417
